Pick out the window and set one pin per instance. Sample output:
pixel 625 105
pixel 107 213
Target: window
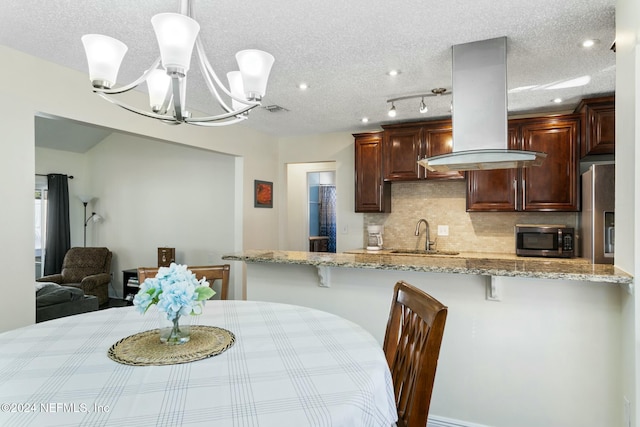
pixel 40 223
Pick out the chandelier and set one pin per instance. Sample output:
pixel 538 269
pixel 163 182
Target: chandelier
pixel 166 78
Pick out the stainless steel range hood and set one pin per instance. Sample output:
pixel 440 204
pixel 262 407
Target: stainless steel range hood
pixel 480 141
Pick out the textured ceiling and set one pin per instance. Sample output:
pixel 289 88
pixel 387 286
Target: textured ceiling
pixel 343 50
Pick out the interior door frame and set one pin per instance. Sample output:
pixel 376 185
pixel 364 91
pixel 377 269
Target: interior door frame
pixel 297 230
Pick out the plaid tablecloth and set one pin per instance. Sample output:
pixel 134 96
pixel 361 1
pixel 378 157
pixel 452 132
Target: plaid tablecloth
pixel 290 366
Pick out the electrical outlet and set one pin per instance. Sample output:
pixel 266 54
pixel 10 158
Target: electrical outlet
pixel 443 230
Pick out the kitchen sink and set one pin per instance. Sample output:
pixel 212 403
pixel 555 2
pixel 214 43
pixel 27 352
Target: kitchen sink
pixel 421 252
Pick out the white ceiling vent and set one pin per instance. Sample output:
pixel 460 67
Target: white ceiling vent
pixel 274 108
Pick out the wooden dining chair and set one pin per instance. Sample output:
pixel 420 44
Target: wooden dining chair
pixel 211 272
pixel 411 346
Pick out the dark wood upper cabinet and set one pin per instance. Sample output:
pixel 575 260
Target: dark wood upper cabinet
pixel 371 193
pixel 403 147
pixel 495 190
pixel 405 144
pixel 598 125
pixel 438 137
pixel 393 154
pixel 553 186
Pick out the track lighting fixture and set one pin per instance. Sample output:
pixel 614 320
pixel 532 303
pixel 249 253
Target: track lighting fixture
pixel 423 106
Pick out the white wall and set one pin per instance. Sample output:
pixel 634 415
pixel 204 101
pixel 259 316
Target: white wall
pixel 546 355
pixel 628 190
pixel 66 93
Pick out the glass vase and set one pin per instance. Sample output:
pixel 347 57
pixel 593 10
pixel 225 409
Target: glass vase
pixel 176 331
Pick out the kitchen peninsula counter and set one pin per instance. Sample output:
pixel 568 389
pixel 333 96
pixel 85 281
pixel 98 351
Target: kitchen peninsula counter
pixel 506 315
pixel 473 263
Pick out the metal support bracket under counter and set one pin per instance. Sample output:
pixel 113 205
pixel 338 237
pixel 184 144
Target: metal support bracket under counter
pixel 494 289
pixel 324 276
pixel 628 287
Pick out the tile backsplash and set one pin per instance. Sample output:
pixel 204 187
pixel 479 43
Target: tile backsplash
pixel 444 203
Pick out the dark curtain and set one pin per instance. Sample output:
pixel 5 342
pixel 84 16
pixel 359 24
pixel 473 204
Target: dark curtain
pixel 328 214
pixel 58 240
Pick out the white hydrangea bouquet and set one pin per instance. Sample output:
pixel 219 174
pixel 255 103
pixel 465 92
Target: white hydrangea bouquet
pixel 176 292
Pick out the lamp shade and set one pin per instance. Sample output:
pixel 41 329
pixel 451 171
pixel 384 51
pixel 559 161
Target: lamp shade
pixel 158 82
pixel 255 66
pixel 236 87
pixel 85 198
pixel 176 35
pixel 104 56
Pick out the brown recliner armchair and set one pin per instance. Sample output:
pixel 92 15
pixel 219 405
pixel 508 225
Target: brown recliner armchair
pixel 86 268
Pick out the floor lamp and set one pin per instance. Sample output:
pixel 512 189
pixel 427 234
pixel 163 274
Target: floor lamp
pixel 94 216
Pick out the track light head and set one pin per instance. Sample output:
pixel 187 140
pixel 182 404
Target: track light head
pixel 392 110
pixel 423 107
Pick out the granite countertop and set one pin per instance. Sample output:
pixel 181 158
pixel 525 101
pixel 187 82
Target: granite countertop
pixel 464 263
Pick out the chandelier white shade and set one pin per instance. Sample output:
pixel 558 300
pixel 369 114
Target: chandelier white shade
pixel 104 55
pixel 158 84
pixel 255 66
pixel 166 78
pixel 176 35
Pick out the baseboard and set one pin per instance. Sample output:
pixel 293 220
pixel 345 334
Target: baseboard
pixel 436 421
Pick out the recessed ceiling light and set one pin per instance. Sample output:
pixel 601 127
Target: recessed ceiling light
pixel 303 86
pixel 557 100
pixel 589 43
pixel 393 73
pixel 365 120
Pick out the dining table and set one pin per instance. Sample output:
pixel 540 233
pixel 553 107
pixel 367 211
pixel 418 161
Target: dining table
pixel 275 365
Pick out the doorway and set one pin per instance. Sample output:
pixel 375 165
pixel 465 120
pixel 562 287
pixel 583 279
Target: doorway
pixel 302 200
pixel 321 191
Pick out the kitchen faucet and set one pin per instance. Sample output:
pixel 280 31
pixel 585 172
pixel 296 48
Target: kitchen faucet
pixel 428 242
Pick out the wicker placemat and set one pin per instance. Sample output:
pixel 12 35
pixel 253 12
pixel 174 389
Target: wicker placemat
pixel 145 348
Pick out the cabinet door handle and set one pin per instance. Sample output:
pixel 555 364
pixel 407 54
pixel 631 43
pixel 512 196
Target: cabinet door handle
pixel 524 193
pixel 380 197
pixel 515 192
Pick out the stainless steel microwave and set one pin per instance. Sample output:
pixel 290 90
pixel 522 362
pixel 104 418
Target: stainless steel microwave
pixel 542 240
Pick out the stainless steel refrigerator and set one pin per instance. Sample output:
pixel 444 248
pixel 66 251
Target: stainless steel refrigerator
pixel 597 232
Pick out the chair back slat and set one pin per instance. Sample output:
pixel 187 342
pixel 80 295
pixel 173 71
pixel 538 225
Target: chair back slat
pixel 412 346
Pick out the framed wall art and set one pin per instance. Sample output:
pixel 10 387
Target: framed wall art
pixel 263 194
